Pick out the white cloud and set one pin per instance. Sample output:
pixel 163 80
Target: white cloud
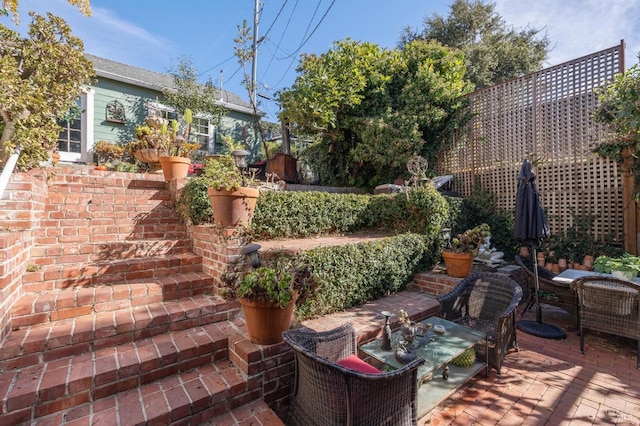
pixel 108 35
pixel 578 27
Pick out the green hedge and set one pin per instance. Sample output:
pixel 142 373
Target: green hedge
pixel 346 275
pixel 283 214
pixel 353 274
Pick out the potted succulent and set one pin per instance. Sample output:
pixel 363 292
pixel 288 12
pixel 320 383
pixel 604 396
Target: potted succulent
pixel 268 295
pixel 175 148
pixel 233 200
pixel 625 267
pixel 458 257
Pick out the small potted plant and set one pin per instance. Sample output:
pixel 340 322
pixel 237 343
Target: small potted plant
pixel 233 200
pixel 107 152
pixel 625 267
pixel 268 295
pixel 175 148
pixel 458 257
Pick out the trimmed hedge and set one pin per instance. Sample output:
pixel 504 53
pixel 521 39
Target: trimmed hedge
pixel 283 214
pixel 353 274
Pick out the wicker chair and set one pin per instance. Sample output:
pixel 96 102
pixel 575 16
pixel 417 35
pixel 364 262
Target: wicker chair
pixel 487 302
pixel 609 305
pixel 551 292
pixel 326 393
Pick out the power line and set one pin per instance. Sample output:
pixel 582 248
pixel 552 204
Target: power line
pixel 281 37
pixel 216 66
pixel 312 32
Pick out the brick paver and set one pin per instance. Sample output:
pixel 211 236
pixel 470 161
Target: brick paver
pixel 549 382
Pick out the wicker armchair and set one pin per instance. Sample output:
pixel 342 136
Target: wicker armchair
pixel 487 302
pixel 326 393
pixel 551 292
pixel 609 305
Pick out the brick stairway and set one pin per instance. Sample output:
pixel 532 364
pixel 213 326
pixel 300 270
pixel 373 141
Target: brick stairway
pixel 117 322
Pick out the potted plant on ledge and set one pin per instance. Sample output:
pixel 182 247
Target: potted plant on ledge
pixel 268 295
pixel 233 201
pixel 176 150
pixel 458 258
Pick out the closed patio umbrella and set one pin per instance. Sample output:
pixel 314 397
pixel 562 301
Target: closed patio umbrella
pixel 531 228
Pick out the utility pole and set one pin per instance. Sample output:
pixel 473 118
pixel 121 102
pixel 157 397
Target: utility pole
pixel 254 61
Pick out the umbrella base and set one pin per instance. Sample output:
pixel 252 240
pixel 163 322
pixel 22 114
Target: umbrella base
pixel 540 329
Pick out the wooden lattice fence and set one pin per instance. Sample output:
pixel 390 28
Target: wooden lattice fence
pixel 546 117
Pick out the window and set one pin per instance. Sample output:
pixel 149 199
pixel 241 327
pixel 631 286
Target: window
pixel 70 137
pixel 200 132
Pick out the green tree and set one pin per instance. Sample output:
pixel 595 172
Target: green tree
pixel 11 6
pixel 40 78
pixel 190 94
pixel 619 107
pixel 371 109
pixel 494 51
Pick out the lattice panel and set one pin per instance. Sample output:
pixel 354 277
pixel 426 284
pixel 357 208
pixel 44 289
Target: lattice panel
pixel 546 117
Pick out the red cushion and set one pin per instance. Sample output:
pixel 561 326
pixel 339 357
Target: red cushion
pixel 355 363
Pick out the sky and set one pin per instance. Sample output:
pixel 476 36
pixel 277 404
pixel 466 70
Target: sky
pixel 156 34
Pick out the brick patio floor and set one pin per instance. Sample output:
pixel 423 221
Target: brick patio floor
pixel 548 382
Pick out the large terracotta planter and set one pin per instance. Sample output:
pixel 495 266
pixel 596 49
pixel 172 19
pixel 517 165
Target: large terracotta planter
pixel 233 208
pixel 174 167
pixel 151 156
pixel 265 321
pixel 458 264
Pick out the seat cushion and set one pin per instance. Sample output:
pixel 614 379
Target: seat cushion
pixel 354 363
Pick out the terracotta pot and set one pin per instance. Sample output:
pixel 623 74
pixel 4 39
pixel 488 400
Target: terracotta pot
pixel 265 321
pixel 588 261
pixel 555 268
pixel 562 264
pixel 174 167
pixel 458 264
pixel 101 167
pixel 151 156
pixel 55 157
pixel 233 208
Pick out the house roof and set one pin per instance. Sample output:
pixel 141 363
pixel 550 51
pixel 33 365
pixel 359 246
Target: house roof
pixel 141 77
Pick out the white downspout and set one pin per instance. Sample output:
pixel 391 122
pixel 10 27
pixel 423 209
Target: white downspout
pixel 8 170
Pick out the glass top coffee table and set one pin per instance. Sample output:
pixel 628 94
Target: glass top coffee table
pixel 437 378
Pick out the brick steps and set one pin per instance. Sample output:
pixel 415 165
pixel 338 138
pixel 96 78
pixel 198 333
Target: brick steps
pixel 41 307
pixel 157 380
pixel 116 322
pixel 97 251
pixel 55 276
pixel 45 342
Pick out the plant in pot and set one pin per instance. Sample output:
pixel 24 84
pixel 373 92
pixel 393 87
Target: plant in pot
pixel 233 200
pixel 268 295
pixel 176 150
pixel 625 267
pixel 106 153
pixel 458 256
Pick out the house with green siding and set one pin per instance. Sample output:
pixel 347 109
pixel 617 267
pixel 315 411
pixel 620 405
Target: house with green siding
pixel 123 95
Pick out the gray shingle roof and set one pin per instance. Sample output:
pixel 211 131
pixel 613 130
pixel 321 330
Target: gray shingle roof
pixel 154 80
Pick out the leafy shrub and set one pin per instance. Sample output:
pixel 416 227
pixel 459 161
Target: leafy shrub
pixel 300 214
pixel 467 213
pixel 350 275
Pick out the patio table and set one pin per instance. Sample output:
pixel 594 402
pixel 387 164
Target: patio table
pixel 568 275
pixel 437 377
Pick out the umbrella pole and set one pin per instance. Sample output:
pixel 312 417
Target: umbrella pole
pixel 538 328
pixel 535 274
